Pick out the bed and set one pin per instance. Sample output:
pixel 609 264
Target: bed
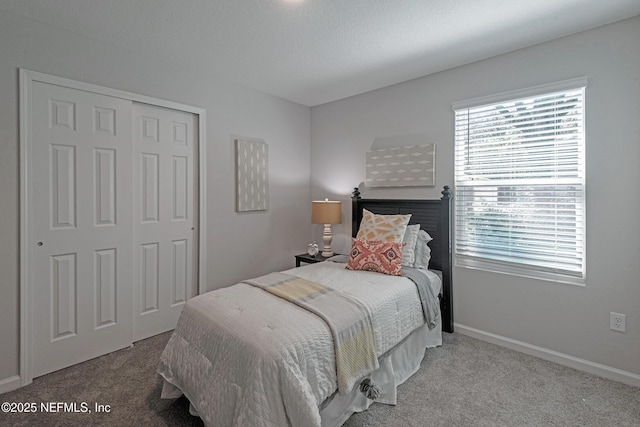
pixel 246 357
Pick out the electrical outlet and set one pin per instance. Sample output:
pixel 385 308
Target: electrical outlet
pixel 618 322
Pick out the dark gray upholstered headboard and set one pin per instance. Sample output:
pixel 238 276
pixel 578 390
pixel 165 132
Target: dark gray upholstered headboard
pixel 434 216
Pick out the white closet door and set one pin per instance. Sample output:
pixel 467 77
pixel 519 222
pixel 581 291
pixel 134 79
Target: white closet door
pixel 81 179
pixel 165 209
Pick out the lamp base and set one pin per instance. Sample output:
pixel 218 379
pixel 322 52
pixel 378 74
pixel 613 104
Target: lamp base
pixel 326 240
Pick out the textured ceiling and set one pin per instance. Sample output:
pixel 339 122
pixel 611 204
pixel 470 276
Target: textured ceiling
pixel 317 51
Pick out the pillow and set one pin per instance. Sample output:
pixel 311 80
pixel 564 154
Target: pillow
pixel 375 255
pixel 423 251
pixel 387 228
pixel 409 248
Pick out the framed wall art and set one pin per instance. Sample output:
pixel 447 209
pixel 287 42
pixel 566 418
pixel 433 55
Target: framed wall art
pixel 410 166
pixel 252 175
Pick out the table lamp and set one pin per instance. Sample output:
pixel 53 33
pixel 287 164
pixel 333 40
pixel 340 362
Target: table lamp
pixel 326 212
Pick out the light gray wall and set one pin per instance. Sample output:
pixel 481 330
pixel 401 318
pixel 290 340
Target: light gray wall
pixel 239 245
pixel 569 319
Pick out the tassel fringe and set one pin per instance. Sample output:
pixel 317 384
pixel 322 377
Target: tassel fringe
pixel 369 389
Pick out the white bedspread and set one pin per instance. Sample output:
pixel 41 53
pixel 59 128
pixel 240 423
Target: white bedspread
pixel 244 357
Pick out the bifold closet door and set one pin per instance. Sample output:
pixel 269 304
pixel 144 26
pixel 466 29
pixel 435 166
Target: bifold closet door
pixel 81 173
pixel 165 216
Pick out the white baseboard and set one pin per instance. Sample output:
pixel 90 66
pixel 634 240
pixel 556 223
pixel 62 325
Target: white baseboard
pixel 553 356
pixel 9 384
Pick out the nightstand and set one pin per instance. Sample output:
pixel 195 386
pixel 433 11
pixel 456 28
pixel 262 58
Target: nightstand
pixel 309 259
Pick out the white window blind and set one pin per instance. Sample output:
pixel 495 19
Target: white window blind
pixel 519 181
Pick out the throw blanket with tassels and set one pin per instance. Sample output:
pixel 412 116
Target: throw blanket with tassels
pixel 348 319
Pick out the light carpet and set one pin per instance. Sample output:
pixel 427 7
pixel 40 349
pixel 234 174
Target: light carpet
pixel 466 382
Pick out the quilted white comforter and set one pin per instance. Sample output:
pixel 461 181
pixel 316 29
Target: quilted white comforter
pixel 244 357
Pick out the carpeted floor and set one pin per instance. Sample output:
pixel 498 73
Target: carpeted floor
pixel 466 382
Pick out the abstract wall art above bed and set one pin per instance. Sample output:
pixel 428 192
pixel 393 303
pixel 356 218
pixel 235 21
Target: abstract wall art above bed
pixel 252 175
pixel 410 166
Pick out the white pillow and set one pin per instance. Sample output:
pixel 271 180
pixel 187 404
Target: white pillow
pixel 409 248
pixel 423 251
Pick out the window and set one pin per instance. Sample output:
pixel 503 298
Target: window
pixel 519 182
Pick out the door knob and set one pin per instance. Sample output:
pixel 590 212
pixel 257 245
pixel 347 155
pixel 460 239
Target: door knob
pixel 40 243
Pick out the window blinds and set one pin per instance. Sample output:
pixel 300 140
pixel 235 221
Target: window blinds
pixel 519 174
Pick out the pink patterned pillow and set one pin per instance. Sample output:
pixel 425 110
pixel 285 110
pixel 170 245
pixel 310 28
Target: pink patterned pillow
pixel 376 255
